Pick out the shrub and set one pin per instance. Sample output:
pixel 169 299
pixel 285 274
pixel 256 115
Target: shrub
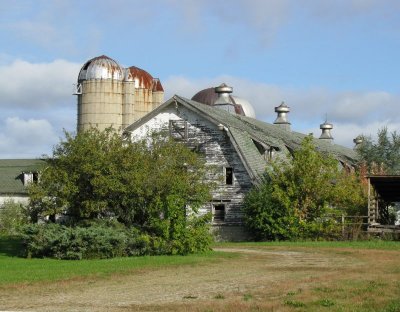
pixel 12 217
pixel 265 217
pixel 105 240
pixel 62 242
pixel 325 228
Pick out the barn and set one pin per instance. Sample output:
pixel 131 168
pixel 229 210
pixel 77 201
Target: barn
pixel 239 146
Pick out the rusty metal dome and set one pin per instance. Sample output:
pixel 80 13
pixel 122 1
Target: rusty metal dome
pixel 101 67
pixel 206 96
pixel 209 96
pixel 142 79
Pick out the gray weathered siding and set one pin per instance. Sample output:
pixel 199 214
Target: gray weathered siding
pixel 202 135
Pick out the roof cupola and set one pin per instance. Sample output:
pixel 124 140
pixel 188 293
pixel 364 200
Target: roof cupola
pixel 358 141
pixel 225 101
pixel 326 128
pixel 223 91
pixel 281 120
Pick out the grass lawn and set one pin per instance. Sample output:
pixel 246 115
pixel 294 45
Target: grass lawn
pixel 372 244
pixel 17 270
pixel 268 276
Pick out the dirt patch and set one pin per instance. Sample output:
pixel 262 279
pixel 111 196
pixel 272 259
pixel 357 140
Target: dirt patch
pixel 260 277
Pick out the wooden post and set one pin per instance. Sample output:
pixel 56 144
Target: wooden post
pixel 343 226
pixel 371 207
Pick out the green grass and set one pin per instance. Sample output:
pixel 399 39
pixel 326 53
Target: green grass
pixel 372 244
pixel 16 270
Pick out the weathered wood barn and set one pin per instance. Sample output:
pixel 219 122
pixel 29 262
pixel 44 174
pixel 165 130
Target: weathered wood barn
pixel 240 147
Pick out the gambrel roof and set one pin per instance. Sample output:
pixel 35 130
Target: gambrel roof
pixel 246 132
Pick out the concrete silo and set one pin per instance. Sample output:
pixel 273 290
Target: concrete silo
pixel 149 92
pixel 112 96
pixel 99 90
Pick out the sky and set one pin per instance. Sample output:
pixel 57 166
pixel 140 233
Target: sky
pixel 333 59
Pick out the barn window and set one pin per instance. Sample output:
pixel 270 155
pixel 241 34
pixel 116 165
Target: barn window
pixel 265 150
pixel 178 129
pixel 219 212
pixel 30 177
pixel 35 177
pixel 229 175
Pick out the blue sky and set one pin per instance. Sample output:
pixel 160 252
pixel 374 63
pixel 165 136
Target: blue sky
pixel 329 58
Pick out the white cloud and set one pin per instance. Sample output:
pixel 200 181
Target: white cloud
pixel 37 85
pixel 45 24
pixel 364 106
pixel 26 138
pixel 263 17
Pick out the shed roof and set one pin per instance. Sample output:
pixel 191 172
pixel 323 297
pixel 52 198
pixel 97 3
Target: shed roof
pixel 387 186
pixel 11 179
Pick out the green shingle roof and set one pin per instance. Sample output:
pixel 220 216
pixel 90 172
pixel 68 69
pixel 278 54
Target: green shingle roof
pixel 245 130
pixel 11 179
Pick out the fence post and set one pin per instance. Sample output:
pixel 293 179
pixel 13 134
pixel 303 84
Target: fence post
pixel 343 226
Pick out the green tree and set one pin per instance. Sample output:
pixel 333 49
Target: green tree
pixel 382 155
pixel 298 194
pixel 154 185
pixel 265 216
pixel 12 217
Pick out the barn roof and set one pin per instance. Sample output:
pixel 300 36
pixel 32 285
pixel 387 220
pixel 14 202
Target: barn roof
pixel 245 132
pixel 11 179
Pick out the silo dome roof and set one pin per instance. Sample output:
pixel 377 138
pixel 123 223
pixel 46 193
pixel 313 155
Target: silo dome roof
pixel 209 97
pixel 142 79
pixel 101 67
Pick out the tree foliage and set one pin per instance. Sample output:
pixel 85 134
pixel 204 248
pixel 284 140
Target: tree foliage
pixel 154 185
pixel 383 155
pixel 297 194
pixel 12 217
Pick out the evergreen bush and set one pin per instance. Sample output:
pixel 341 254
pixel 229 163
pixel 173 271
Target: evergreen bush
pixel 98 241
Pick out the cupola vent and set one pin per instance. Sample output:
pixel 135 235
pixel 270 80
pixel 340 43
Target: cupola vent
pixel 326 128
pixel 281 120
pixel 358 141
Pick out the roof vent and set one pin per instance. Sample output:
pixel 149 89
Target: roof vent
pixel 223 92
pixel 326 128
pixel 224 100
pixel 282 121
pixel 358 141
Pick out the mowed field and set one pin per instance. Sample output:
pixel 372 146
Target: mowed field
pixel 320 276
